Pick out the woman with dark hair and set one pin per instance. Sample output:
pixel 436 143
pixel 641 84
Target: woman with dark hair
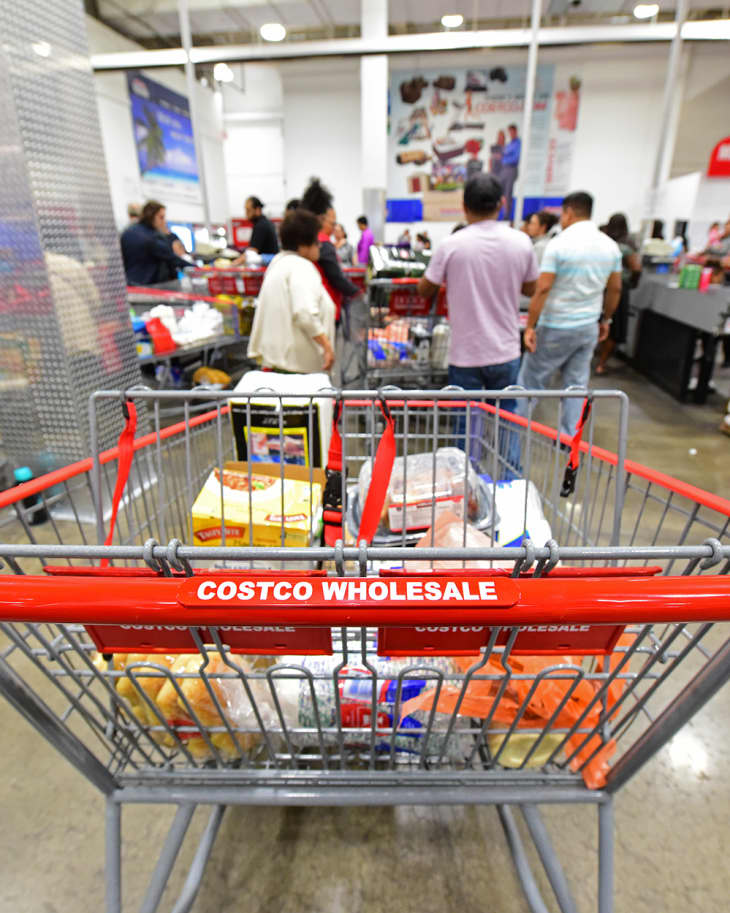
pixel 294 324
pixel 618 228
pixel 147 254
pixel 318 199
pixel 344 249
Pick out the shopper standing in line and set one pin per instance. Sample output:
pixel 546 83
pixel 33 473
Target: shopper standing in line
pixel 134 213
pixel 496 153
pixel 486 266
pixel 366 241
pixel 345 252
pixel 720 247
pixel 542 227
pixel 293 328
pixel 146 252
pixel 318 199
pixel 569 313
pixel 263 235
pixel 510 169
pixel 618 228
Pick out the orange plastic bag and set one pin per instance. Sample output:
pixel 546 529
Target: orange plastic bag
pixel 537 701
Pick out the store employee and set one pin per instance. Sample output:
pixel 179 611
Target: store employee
pixel 263 237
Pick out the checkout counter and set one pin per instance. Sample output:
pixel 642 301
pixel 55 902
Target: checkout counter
pixel 673 333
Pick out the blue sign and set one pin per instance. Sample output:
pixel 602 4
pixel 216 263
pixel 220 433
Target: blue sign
pixel 163 132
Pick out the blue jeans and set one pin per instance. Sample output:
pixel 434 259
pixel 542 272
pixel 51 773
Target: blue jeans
pixel 567 351
pixel 487 377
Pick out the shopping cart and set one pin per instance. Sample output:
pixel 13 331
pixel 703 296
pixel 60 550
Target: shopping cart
pixel 241 281
pixel 511 674
pixel 408 336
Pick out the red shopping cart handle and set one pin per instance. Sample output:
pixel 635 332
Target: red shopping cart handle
pixel 254 598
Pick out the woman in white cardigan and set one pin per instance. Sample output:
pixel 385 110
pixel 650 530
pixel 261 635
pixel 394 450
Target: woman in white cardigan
pixel 294 324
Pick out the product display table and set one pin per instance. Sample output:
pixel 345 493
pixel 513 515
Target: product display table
pixel 671 323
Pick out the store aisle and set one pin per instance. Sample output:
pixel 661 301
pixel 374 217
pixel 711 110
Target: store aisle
pixel 671 820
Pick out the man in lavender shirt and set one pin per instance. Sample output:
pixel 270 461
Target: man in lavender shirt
pixel 485 267
pixel 366 241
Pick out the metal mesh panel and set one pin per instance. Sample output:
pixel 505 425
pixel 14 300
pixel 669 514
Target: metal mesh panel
pixel 64 327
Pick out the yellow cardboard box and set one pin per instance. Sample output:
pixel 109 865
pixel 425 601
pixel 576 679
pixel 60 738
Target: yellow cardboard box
pixel 265 505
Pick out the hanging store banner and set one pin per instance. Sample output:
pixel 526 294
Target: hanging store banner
pixel 449 124
pixel 163 134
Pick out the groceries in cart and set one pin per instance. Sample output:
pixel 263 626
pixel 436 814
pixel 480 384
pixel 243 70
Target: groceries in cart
pixel 535 713
pixel 274 428
pixel 191 703
pixel 339 696
pixel 422 486
pixel 388 262
pixel 409 340
pixel 259 504
pixel 518 517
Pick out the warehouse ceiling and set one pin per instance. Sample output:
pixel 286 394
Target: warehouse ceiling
pixel 154 23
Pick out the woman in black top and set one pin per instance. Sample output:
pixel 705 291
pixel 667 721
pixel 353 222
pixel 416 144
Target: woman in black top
pixel 147 254
pixel 318 199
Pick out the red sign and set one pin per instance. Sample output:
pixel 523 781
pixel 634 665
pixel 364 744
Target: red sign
pixel 719 166
pixel 241 230
pixel 466 640
pixel 263 640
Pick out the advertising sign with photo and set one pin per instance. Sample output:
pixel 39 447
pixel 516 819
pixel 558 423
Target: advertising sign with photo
pixel 449 124
pixel 163 135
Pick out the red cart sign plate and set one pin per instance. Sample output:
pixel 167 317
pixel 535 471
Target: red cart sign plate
pixel 264 640
pixel 466 640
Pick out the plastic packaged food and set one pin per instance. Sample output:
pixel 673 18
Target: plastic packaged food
pixel 169 695
pixel 448 532
pixel 315 706
pixel 421 485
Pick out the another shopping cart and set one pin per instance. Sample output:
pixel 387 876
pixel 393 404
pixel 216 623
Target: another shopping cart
pixel 407 341
pixel 512 674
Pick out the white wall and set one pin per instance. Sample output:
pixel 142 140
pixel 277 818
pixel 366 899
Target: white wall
pixel 322 133
pixel 254 138
pixel 118 136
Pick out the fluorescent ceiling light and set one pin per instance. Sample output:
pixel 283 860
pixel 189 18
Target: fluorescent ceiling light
pixel 452 20
pixel 222 72
pixel 273 31
pixel 42 48
pixel 646 10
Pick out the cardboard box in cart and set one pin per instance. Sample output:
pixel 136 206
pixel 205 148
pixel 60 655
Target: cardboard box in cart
pixel 264 513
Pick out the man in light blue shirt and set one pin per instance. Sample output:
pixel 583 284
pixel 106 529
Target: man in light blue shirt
pixel 510 166
pixel 569 312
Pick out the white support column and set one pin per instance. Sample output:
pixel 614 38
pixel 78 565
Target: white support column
pixel 529 105
pixel 186 38
pixel 374 116
pixel 670 102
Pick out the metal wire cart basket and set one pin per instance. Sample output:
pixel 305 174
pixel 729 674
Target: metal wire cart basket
pixel 500 615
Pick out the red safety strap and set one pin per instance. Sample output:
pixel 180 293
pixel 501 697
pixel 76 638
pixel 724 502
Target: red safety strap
pixel 125 446
pixel 379 480
pixel 334 457
pixel 571 470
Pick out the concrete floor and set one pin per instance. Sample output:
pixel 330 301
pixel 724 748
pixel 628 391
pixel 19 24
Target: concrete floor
pixel 671 821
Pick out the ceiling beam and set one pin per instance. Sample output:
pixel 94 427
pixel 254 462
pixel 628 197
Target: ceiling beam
pixel 710 30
